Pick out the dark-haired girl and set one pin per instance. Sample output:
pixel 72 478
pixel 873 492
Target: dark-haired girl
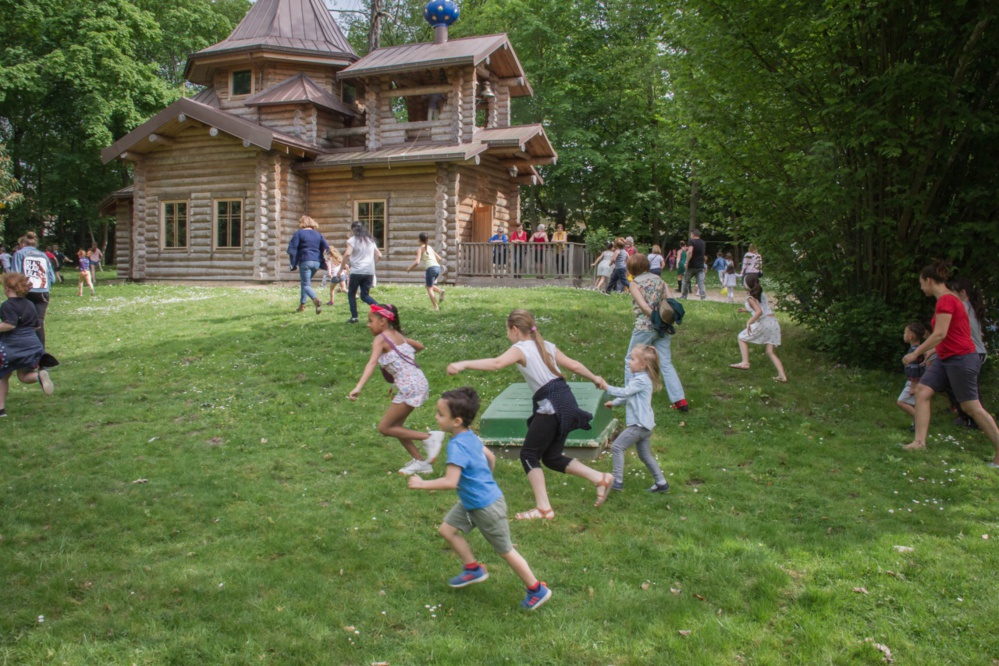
pixel 429 260
pixel 20 348
pixel 396 354
pixel 761 329
pixel 957 361
pixel 361 254
pixel 555 411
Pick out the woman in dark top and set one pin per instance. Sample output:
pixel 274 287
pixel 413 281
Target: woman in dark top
pixel 957 361
pixel 20 348
pixel 305 252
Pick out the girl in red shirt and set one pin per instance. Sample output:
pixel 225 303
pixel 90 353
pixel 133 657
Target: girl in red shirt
pixel 957 361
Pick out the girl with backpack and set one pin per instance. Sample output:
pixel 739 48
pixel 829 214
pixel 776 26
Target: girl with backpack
pixel 430 261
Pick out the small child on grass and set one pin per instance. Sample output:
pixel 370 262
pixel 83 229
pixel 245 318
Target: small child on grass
pixel 480 501
pixel 915 333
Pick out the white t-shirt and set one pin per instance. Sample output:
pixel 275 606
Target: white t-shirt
pixel 362 257
pixel 536 373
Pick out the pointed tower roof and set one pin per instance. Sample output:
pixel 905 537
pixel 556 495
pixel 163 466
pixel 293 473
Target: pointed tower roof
pixel 292 27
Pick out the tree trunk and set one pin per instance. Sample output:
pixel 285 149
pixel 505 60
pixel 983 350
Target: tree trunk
pixel 375 28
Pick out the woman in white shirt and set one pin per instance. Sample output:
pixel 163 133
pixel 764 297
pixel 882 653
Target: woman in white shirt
pixel 361 255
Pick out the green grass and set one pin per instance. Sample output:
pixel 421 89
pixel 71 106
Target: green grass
pixel 271 519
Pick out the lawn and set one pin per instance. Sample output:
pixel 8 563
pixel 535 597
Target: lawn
pixel 199 490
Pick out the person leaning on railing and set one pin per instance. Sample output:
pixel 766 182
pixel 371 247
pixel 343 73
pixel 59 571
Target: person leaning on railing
pixel 561 237
pixel 500 239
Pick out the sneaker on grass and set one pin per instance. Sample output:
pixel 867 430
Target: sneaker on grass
pixel 432 445
pixel 469 577
pixel 415 466
pixel 660 487
pixel 537 598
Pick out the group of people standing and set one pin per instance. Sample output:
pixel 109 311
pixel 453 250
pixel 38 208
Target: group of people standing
pixel 523 258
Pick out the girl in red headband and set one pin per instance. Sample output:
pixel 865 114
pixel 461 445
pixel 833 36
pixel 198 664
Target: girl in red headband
pixel 396 354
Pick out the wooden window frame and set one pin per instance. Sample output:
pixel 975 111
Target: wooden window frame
pixel 383 245
pixel 215 224
pixel 187 225
pixel 232 81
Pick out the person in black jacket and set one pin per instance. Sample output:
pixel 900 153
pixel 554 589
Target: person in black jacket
pixel 305 252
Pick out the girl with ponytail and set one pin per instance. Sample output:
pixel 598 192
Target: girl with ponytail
pixel 958 364
pixel 555 412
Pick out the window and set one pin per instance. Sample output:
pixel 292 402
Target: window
pixel 372 215
pixel 174 224
pixel 242 82
pixel 229 223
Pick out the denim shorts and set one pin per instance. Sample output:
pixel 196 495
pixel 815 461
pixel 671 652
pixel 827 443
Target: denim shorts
pixel 491 521
pixel 433 272
pixel 958 373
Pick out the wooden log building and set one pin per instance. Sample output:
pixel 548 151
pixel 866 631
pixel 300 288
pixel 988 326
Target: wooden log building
pixel 409 139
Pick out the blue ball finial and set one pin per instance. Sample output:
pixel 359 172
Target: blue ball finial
pixel 440 13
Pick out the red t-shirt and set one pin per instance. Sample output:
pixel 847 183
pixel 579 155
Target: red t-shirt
pixel 519 236
pixel 958 339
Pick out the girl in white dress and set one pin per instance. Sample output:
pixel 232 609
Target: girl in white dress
pixel 761 329
pixel 604 268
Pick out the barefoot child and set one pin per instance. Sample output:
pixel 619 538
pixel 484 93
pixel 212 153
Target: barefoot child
pixel 915 333
pixel 555 412
pixel 639 419
pixel 334 276
pixel 429 260
pixel 480 501
pixel 83 268
pixel 395 354
pixel 761 329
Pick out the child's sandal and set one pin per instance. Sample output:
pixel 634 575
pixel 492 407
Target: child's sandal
pixel 537 513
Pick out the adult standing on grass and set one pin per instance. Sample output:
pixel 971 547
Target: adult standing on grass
pixel 619 271
pixel 656 261
pixel 752 263
pixel 96 258
pixel 35 266
pixel 555 412
pixel 957 362
pixel 682 252
pixel 361 255
pixel 306 252
pixel 696 265
pixel 429 260
pixel 648 292
pixel 20 349
pixel 761 329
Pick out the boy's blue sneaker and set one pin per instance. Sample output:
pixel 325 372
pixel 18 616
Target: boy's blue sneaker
pixel 469 576
pixel 537 598
pixel 660 487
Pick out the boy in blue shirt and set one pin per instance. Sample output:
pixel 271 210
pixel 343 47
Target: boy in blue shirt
pixel 480 501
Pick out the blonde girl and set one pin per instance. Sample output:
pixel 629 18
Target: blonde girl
pixel 761 329
pixel 334 275
pixel 639 419
pixel 555 412
pixel 396 354
pixel 83 270
pixel 429 260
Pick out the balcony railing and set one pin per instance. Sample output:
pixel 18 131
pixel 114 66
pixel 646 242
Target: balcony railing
pixel 538 260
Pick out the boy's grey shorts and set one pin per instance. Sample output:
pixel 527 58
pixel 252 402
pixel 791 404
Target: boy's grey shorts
pixel 490 520
pixel 906 396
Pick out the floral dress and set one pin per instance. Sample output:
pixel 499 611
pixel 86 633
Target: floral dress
pixel 411 384
pixel 653 291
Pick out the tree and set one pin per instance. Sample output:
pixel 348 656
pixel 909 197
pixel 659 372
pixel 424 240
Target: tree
pixel 855 140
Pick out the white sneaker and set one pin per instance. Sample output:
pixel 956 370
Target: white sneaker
pixel 415 466
pixel 432 445
pixel 47 386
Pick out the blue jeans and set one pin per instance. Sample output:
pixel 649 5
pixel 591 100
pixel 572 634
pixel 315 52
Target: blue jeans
pixel 362 282
pixel 306 270
pixel 672 381
pixel 618 280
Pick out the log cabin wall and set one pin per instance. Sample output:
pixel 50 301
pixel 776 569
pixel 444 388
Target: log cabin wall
pixel 488 184
pixel 122 236
pixel 198 169
pixel 294 190
pixel 409 194
pixel 234 105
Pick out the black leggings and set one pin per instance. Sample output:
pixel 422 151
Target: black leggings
pixel 544 443
pixel 41 301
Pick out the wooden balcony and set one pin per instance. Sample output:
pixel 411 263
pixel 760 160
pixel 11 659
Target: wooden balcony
pixel 509 264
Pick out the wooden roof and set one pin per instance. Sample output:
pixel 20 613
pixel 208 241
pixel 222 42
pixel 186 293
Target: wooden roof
pixel 529 140
pixel 398 155
pixel 110 203
pixel 301 27
pixel 456 52
pixel 300 89
pixel 185 113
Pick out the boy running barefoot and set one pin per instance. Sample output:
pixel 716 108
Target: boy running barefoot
pixel 480 501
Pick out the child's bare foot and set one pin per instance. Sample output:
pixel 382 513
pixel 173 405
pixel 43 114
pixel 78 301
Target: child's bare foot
pixel 739 366
pixel 781 379
pixel 914 446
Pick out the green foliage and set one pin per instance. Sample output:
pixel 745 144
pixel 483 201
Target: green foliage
pixel 8 186
pixel 77 74
pixel 596 239
pixel 856 141
pixel 200 490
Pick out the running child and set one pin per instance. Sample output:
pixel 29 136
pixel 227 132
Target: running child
pixel 730 277
pixel 915 333
pixel 334 276
pixel 555 412
pixel 83 269
pixel 480 502
pixel 396 353
pixel 429 260
pixel 761 329
pixel 639 419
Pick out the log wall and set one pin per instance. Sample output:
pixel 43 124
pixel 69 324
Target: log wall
pixel 198 169
pixel 122 239
pixel 488 184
